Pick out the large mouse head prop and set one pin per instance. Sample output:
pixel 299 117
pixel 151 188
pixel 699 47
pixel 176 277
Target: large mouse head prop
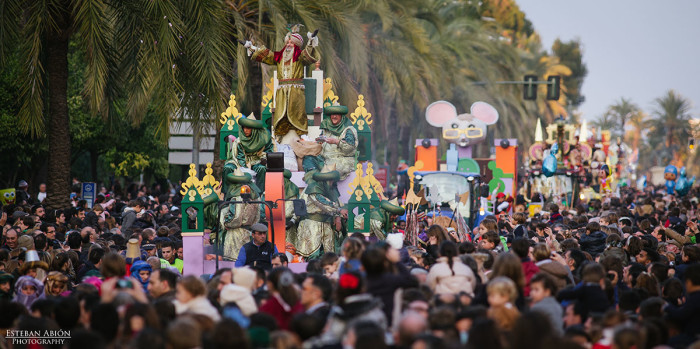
pixel 463 129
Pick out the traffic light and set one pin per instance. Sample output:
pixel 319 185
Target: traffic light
pixel 691 143
pixel 530 91
pixel 553 87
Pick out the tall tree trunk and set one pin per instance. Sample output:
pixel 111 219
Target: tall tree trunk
pixel 195 147
pixel 255 82
pixel 392 148
pixel 58 183
pixel 218 165
pixel 93 165
pixel 406 144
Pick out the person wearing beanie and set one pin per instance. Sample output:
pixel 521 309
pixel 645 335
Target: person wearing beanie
pixel 239 295
pixel 245 277
pixel 26 242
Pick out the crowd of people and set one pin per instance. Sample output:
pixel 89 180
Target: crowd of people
pixel 611 273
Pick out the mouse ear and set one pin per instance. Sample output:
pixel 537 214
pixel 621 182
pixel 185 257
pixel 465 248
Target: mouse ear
pixel 484 112
pixel 438 113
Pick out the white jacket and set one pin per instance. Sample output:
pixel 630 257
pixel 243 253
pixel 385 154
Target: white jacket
pixel 441 280
pixel 241 296
pixel 197 305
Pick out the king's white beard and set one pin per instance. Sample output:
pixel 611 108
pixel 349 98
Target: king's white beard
pixel 288 54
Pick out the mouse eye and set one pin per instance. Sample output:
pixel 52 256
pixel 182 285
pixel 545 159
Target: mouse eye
pixel 455 126
pixel 470 126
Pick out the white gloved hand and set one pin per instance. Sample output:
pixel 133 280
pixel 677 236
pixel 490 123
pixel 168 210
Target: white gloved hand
pixel 313 41
pixel 248 44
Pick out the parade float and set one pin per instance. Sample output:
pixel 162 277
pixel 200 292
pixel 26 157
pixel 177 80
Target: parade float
pixel 575 162
pixel 303 168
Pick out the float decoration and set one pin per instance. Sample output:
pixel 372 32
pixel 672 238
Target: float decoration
pixel 683 185
pixel 229 128
pixel 329 97
pixel 192 182
pixel 7 196
pixel 362 120
pixel 266 104
pixel 360 202
pixel 463 130
pixel 411 197
pixel 192 205
pixel 670 174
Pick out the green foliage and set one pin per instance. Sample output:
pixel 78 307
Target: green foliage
pixel 620 112
pixel 605 122
pixel 670 128
pixel 127 164
pixel 116 141
pixel 570 55
pixel 20 156
pixel 660 139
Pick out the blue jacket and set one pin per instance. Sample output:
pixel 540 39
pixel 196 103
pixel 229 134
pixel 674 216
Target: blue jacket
pixel 593 243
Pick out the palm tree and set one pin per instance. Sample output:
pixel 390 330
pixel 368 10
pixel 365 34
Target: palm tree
pixel 670 126
pixel 604 122
pixel 404 70
pixel 623 110
pixel 167 55
pixel 640 123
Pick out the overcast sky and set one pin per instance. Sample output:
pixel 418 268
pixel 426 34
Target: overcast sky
pixel 636 49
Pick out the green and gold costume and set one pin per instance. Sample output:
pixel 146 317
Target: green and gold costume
pixel 323 206
pixel 250 151
pixel 344 154
pixel 236 218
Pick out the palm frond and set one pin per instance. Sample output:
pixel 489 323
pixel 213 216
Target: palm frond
pixel 10 17
pixel 94 28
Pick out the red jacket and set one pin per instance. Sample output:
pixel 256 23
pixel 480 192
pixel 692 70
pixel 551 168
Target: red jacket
pixel 276 307
pixel 529 269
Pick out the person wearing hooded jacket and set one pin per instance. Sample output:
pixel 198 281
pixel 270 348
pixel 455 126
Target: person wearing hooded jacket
pixel 594 240
pixel 129 217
